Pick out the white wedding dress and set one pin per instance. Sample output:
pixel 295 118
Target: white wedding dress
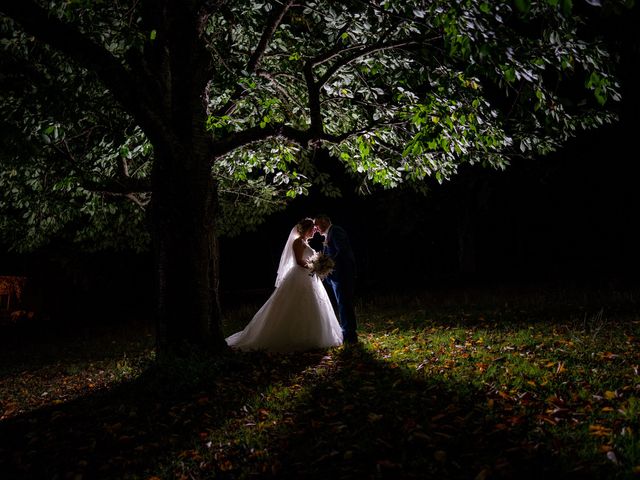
pixel 297 316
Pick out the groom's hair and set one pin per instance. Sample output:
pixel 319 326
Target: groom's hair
pixel 322 216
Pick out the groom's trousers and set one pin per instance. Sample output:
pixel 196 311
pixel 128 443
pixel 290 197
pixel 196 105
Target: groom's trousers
pixel 344 290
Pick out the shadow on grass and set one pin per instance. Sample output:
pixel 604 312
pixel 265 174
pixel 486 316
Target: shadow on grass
pixel 343 413
pixel 138 426
pixel 34 345
pixel 371 419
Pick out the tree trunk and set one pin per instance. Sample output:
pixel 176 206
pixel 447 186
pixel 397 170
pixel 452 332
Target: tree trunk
pixel 183 221
pixel 185 200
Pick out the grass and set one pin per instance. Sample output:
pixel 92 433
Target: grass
pixel 453 385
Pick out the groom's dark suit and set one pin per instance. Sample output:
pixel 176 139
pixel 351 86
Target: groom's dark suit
pixel 342 279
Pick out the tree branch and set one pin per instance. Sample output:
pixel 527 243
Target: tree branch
pixel 276 18
pixel 66 38
pixel 238 193
pixel 340 49
pixel 378 47
pixel 283 91
pixel 257 134
pixel 303 138
pixel 360 131
pixel 136 198
pixel 314 87
pixel 254 60
pixel 128 89
pixel 313 92
pixel 117 186
pixel 333 53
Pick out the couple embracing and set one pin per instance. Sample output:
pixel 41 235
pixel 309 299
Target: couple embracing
pixel 299 314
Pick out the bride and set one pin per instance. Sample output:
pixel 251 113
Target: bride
pixel 298 315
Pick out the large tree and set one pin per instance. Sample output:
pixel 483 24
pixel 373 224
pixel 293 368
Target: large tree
pixel 184 108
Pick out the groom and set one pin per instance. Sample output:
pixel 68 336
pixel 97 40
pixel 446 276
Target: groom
pixel 342 279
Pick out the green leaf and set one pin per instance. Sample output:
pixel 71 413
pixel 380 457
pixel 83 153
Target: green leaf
pixel 509 75
pixel 601 95
pixel 523 6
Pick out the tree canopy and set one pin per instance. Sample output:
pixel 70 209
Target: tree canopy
pixel 397 91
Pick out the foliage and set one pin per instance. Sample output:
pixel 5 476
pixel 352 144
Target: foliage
pixel 545 384
pixel 398 91
pixel 65 144
pixel 254 182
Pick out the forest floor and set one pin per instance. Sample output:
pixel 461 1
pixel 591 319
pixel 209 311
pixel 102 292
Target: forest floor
pixel 461 384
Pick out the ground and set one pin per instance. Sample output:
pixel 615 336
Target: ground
pixel 501 383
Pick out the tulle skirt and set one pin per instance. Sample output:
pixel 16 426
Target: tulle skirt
pixel 297 316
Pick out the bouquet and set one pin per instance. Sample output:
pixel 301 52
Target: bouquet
pixel 320 265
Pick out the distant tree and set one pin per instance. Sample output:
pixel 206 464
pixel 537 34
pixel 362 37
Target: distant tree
pixel 203 116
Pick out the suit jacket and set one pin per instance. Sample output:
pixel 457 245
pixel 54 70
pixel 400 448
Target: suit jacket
pixel 338 247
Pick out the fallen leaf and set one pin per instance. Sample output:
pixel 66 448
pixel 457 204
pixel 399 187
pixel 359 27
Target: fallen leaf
pixel 374 417
pixel 440 456
pixel 482 475
pixel 600 431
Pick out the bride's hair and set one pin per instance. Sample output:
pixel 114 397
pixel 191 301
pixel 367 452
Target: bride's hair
pixel 304 225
